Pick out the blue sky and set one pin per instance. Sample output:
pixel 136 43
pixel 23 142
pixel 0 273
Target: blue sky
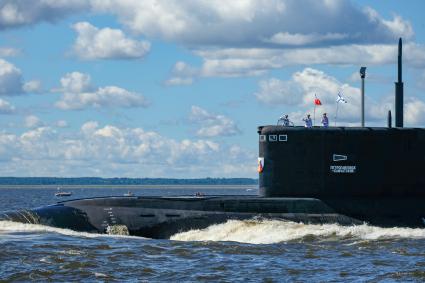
pixel 173 88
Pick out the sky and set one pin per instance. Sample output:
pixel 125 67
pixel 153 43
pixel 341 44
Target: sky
pixel 177 88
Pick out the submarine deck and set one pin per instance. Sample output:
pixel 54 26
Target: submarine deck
pixel 274 128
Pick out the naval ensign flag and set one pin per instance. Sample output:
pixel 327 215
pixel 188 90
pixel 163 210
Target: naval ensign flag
pixel 338 100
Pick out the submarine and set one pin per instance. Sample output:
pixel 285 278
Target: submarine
pixel 344 175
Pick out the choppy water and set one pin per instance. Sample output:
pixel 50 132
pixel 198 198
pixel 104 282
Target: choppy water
pixel 236 251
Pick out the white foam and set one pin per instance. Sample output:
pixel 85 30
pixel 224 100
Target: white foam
pixel 248 231
pixel 101 275
pixel 275 231
pixel 10 227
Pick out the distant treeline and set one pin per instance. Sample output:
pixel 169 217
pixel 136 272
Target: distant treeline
pixel 123 181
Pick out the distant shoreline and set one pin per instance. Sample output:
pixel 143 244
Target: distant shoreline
pixel 129 187
pixel 127 182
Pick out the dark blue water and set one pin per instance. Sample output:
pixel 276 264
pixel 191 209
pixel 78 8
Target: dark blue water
pixel 237 251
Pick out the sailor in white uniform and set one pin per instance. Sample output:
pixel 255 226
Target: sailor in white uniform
pixel 285 121
pixel 325 120
pixel 308 122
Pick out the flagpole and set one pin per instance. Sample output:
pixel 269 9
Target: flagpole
pixel 336 115
pixel 314 111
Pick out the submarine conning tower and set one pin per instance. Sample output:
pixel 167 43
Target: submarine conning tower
pixel 344 162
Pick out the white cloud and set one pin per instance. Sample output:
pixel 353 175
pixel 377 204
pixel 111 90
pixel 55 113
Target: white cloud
pixel 112 151
pixel 78 93
pixel 76 82
pixel 10 79
pixel 109 96
pixel 286 38
pixel 277 33
pixel 336 32
pixel 89 127
pixel 33 121
pixel 8 52
pixel 182 74
pixel 270 34
pixel 236 66
pixel 6 107
pixel 33 86
pixel 106 43
pixel 61 124
pixel 308 83
pixel 12 82
pixel 179 81
pixel 234 62
pixel 207 23
pixel 396 26
pixel 212 125
pixel 414 112
pixel 15 13
pixel 8 144
pixel 275 91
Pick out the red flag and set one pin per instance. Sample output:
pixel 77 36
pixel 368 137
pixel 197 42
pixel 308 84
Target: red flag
pixel 317 101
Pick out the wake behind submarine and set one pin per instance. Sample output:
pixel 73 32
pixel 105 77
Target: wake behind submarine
pixel 345 175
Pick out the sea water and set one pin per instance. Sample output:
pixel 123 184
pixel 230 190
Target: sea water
pixel 235 251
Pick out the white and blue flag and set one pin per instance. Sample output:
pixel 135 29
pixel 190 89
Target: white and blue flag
pixel 340 98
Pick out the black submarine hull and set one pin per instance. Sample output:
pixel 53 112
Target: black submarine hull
pixel 319 175
pixel 311 175
pixel 162 217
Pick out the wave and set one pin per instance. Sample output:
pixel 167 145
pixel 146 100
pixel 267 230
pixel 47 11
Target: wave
pixel 248 231
pixel 13 227
pixel 276 231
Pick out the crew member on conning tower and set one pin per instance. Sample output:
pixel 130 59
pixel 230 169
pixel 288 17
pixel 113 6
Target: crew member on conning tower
pixel 308 122
pixel 285 121
pixel 325 120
